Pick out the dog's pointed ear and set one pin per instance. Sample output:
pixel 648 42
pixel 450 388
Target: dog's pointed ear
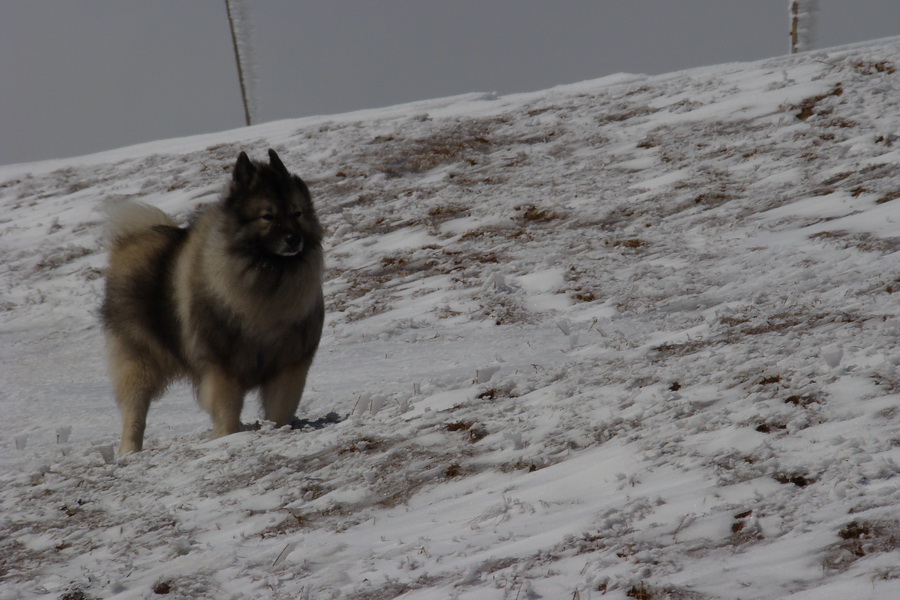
pixel 276 163
pixel 244 169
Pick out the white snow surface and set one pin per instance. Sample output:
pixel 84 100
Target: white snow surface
pixel 630 338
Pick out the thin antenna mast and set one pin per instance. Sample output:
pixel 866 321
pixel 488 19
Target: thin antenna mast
pixel 238 59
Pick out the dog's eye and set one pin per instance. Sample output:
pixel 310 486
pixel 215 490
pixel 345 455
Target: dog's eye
pixel 267 217
pixel 298 214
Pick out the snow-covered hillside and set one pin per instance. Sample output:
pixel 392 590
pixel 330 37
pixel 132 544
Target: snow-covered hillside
pixel 631 338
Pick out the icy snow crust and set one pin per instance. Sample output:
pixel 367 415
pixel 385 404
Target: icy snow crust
pixel 630 338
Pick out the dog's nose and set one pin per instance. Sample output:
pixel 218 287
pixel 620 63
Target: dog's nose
pixel 293 240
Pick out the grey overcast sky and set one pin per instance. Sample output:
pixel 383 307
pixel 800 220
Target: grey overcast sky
pixel 90 75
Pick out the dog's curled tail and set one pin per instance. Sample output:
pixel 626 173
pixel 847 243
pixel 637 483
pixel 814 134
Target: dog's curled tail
pixel 124 217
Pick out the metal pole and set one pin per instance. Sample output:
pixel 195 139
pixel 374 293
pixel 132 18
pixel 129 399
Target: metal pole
pixel 237 59
pixel 795 26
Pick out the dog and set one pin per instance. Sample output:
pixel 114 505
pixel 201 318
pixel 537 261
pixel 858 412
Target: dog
pixel 233 302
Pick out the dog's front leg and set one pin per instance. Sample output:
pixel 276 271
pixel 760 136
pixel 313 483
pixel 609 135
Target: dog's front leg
pixel 281 395
pixel 223 398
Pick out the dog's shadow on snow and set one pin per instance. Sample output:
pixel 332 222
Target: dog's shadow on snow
pixel 298 424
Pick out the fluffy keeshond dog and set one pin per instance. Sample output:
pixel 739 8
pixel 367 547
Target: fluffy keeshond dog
pixel 232 302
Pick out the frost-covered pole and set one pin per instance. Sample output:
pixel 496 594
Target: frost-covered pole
pixel 803 15
pixel 795 24
pixel 240 39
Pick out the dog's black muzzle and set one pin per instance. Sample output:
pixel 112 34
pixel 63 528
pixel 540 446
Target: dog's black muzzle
pixel 293 242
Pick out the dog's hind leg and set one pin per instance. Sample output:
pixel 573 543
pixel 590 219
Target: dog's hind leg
pixel 137 382
pixel 223 398
pixel 281 395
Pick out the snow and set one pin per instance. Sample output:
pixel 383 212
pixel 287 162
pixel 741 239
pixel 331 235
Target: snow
pixel 632 337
